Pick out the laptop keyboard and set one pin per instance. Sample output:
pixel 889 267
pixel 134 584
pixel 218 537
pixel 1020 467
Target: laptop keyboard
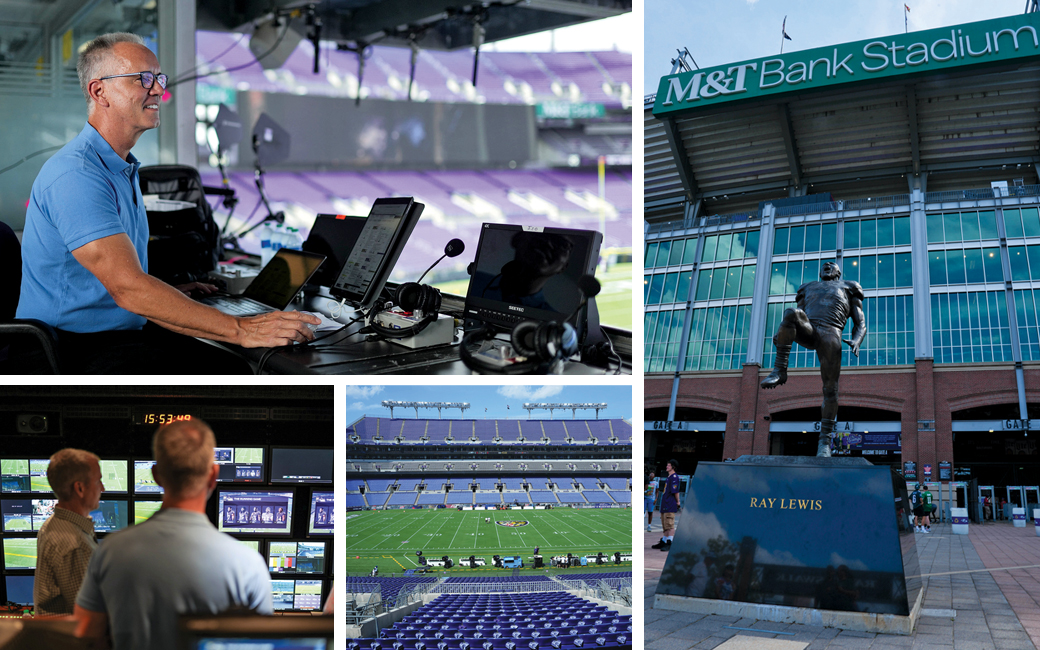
pixel 233 307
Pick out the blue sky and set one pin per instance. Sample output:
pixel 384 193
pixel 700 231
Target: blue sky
pixel 366 400
pixel 728 31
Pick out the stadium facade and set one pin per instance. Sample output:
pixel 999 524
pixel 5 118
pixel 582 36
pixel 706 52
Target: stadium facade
pixel 912 160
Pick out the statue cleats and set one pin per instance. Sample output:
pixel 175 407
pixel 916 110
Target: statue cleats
pixel 776 378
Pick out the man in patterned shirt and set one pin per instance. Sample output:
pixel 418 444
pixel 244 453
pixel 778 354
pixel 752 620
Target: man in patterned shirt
pixel 66 540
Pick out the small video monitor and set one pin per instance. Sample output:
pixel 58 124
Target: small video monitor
pixel 378 246
pixel 530 273
pixel 14 476
pixel 297 465
pixel 19 552
pixel 144 482
pixel 38 475
pixel 114 476
pixel 322 520
pixel 25 515
pixel 296 557
pixel 143 510
pixel 296 595
pixel 264 512
pixel 239 464
pixel 111 516
pixel 334 236
pixel 20 589
pixel 253 544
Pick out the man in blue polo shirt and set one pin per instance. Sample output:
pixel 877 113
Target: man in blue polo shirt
pixel 669 506
pixel 85 242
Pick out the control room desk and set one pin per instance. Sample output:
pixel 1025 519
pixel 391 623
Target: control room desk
pixel 349 353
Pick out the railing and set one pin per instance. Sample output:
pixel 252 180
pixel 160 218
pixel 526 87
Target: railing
pixel 982 194
pixel 497 587
pixel 714 220
pixel 871 203
pixel 364 600
pixel 413 592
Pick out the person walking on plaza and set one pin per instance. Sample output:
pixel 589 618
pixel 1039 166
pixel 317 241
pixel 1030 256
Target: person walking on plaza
pixel 926 501
pixel 918 506
pixel 648 500
pixel 669 507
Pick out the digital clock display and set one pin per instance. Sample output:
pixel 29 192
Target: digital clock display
pixel 163 418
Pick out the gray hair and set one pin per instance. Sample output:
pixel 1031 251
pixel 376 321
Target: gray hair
pixel 183 456
pixel 95 55
pixel 66 467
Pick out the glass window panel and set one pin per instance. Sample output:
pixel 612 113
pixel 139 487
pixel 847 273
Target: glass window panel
pixel 904 270
pixel 868 272
pixel 1033 252
pixel 747 283
pixel 751 249
pixel 973 266
pixel 955 266
pixel 718 283
pixel 1030 222
pixel 1019 263
pixel 829 237
pixel 851 235
pixel 885 234
pixel 780 241
pixel 662 253
pixel 952 226
pixel 902 231
pixel 668 293
pixel 937 267
pixel 970 226
pixel 682 292
pixel 987 224
pixel 810 272
pixel 722 253
pixel 1013 223
pixel 710 243
pixel 655 289
pixel 935 228
pixel 649 320
pixel 736 251
pixel 690 251
pixel 732 282
pixel 886 271
pixel 850 268
pixel 646 288
pixel 991 261
pixel 703 284
pixel 812 238
pixel 777 285
pixel 677 251
pixel 868 233
pixel 797 244
pixel 651 255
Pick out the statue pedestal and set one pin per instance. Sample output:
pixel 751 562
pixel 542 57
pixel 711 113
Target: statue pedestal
pixel 818 541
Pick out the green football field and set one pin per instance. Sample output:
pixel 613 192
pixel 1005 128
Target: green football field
pixel 145 509
pixel 390 538
pixel 249 455
pixel 144 481
pixel 305 588
pixel 17 524
pixel 14 467
pixel 113 475
pixel 20 553
pixel 38 475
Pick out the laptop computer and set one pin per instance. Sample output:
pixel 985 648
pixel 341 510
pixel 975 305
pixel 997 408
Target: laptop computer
pixel 275 286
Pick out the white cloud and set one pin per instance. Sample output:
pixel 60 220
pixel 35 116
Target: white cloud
pixel 855 565
pixel 356 406
pixel 785 558
pixel 529 392
pixel 363 391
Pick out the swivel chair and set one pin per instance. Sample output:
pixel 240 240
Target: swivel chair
pixel 35 340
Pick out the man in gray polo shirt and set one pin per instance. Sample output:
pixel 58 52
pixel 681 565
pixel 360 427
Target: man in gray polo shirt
pixel 142 578
pixel 67 540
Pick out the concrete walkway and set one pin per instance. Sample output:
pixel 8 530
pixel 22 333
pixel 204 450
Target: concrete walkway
pixel 974 600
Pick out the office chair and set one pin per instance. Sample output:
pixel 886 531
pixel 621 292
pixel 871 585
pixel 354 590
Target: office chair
pixel 41 339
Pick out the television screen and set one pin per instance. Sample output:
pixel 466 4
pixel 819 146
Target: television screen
pixel 145 509
pixel 240 464
pixel 322 520
pixel 114 476
pixel 144 483
pixel 267 512
pixel 296 557
pixel 111 516
pixel 25 515
pixel 14 475
pixel 38 475
pixel 251 543
pixel 20 589
pixel 302 595
pixel 19 552
pixel 289 465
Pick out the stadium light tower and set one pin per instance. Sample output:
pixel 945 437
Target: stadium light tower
pixel 392 404
pixel 574 407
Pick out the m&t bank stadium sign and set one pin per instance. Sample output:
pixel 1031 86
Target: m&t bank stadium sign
pixel 1013 38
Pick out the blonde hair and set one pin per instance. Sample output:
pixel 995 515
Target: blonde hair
pixel 66 467
pixel 183 456
pixel 95 56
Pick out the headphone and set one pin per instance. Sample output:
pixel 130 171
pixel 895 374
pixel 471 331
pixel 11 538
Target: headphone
pixel 411 297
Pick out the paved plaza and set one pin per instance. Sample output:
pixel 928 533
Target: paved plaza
pixel 982 592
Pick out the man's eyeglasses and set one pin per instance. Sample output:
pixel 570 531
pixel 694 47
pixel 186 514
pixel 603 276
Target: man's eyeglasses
pixel 148 79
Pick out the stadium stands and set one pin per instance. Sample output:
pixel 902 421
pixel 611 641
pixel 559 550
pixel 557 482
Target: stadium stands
pixel 621 497
pixel 355 501
pixel 543 496
pixel 380 485
pixel 616 483
pixel 376 430
pixel 389 587
pixel 515 497
pixel 556 431
pixel 495 579
pixel 570 497
pixel 413 430
pixel 490 498
pixel 531 429
pixel 408 484
pixel 404 499
pixel 592 577
pixel 355 485
pixel 428 499
pixel 513 483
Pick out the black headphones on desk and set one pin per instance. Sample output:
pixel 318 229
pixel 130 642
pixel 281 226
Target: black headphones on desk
pixel 411 297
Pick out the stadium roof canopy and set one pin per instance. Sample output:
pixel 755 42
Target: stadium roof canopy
pixel 442 24
pixel 957 107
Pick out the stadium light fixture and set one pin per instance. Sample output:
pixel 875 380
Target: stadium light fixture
pixel 392 404
pixel 551 406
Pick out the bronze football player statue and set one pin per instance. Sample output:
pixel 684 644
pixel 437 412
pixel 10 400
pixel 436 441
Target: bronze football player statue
pixel 824 306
